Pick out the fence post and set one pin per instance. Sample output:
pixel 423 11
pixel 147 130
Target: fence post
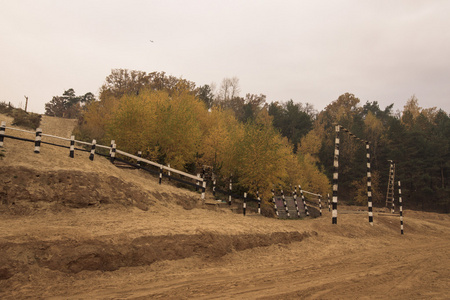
pixel 139 161
pixel 335 176
pixel 214 187
pixel 259 202
pixel 295 202
pixel 320 205
pixel 369 185
pixel 244 205
pixel 203 189
pixel 37 141
pixel 113 153
pixel 91 156
pixel 285 204
pixel 168 172
pixel 274 203
pixel 72 146
pixel 400 206
pixel 110 149
pixel 161 174
pixel 304 201
pixel 2 132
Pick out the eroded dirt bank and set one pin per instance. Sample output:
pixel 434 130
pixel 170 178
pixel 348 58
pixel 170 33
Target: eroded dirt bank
pixel 71 256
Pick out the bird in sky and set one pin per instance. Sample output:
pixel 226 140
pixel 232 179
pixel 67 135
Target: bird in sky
pixel 151 41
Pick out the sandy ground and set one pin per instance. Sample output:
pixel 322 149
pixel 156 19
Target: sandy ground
pixel 161 247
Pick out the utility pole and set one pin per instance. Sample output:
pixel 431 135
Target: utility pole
pixel 26 103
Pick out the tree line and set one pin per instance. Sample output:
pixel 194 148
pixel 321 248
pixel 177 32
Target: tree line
pixel 263 145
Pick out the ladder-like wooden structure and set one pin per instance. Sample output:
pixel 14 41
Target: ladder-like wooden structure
pixel 390 188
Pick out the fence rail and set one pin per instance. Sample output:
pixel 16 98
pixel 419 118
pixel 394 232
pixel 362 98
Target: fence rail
pixel 38 140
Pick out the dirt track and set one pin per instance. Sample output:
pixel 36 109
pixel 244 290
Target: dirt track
pixel 157 249
pixel 348 260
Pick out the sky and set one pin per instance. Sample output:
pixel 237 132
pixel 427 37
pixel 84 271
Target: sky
pixel 307 51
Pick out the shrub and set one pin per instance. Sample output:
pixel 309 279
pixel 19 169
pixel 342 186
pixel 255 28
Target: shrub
pixel 6 108
pixel 22 118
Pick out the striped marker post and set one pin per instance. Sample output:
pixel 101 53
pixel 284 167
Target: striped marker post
pixel 400 206
pixel 168 172
pixel 304 201
pixel 244 205
pixel 214 186
pixel 274 203
pixel 259 202
pixel 72 147
pixel 329 206
pixel 369 185
pixel 91 156
pixel 285 204
pixel 161 175
pixel 113 153
pixel 139 160
pixel 197 183
pixel 295 202
pixel 2 132
pixel 320 205
pixel 110 149
pixel 37 141
pixel 230 188
pixel 203 189
pixel 335 176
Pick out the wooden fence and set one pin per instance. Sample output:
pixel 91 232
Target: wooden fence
pixel 199 181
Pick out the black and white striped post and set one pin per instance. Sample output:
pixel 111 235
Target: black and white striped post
pixel 37 141
pixel 275 203
pixel 2 132
pixel 161 174
pixel 139 160
pixel 91 156
pixel 214 186
pixel 229 191
pixel 369 185
pixel 320 205
pixel 113 153
pixel 400 206
pixel 203 188
pixel 110 149
pixel 285 204
pixel 329 206
pixel 168 172
pixel 244 205
pixel 304 201
pixel 72 146
pixel 335 176
pixel 259 202
pixel 295 202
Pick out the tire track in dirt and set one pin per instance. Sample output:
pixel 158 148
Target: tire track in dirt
pixel 369 273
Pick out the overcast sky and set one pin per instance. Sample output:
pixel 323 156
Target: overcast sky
pixel 307 51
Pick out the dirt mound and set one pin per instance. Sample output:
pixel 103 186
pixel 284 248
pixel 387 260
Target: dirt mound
pixel 103 255
pixel 25 189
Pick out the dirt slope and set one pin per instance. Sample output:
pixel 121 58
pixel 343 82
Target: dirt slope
pixel 76 229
